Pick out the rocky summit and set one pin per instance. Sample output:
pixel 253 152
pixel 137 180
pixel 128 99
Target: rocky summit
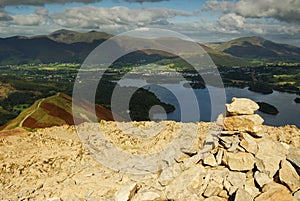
pixel 235 158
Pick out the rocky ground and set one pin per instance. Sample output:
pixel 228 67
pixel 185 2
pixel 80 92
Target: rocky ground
pixel 242 161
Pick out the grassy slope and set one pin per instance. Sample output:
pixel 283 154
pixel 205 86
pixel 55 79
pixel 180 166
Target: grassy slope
pixel 53 111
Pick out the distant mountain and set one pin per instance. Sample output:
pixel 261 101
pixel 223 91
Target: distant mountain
pixel 55 111
pixel 69 37
pixel 256 48
pixel 60 46
pixel 71 46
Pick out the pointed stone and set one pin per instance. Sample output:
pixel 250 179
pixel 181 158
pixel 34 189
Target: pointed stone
pixel 262 179
pixel 210 160
pixel 242 195
pixel 248 143
pixel 297 195
pixel 126 192
pixel 250 187
pixel 294 157
pixel 219 156
pixel 289 176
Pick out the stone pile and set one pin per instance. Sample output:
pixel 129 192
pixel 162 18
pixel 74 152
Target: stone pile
pixel 238 161
pixel 244 164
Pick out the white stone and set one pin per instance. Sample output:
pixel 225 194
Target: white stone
pixel 262 179
pixel 126 192
pixel 239 161
pixel 270 154
pixel 242 195
pixel 248 143
pixel 210 160
pixel 289 176
pixel 241 106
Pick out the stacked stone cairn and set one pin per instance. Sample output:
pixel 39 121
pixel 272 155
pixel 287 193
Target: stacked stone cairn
pixel 251 166
pixel 243 165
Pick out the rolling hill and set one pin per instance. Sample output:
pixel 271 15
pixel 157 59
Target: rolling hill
pixel 55 111
pixel 257 48
pixel 71 46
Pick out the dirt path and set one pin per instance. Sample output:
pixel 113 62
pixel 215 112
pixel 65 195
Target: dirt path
pixel 38 106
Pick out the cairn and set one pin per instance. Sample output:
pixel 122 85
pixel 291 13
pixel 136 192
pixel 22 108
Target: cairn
pixel 244 165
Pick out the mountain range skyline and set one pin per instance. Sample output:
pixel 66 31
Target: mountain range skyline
pixel 203 21
pixel 71 46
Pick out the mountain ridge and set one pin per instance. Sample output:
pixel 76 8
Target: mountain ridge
pixel 71 46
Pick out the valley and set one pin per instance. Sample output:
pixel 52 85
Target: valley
pixel 32 73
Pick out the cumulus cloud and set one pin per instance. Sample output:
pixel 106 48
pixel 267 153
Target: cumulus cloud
pixel 29 20
pixel 97 17
pixel 4 3
pixel 142 1
pixel 231 20
pixel 288 10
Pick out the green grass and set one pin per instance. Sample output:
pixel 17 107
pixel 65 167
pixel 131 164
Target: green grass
pixel 21 107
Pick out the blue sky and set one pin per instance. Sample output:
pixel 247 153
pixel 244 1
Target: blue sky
pixel 202 20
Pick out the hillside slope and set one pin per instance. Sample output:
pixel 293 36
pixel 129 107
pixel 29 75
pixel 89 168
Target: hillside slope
pixel 54 111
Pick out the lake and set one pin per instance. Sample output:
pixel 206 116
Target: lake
pixel 190 110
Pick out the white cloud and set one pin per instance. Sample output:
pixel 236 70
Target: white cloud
pixel 4 3
pixel 288 10
pixel 88 16
pixel 29 20
pixel 230 23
